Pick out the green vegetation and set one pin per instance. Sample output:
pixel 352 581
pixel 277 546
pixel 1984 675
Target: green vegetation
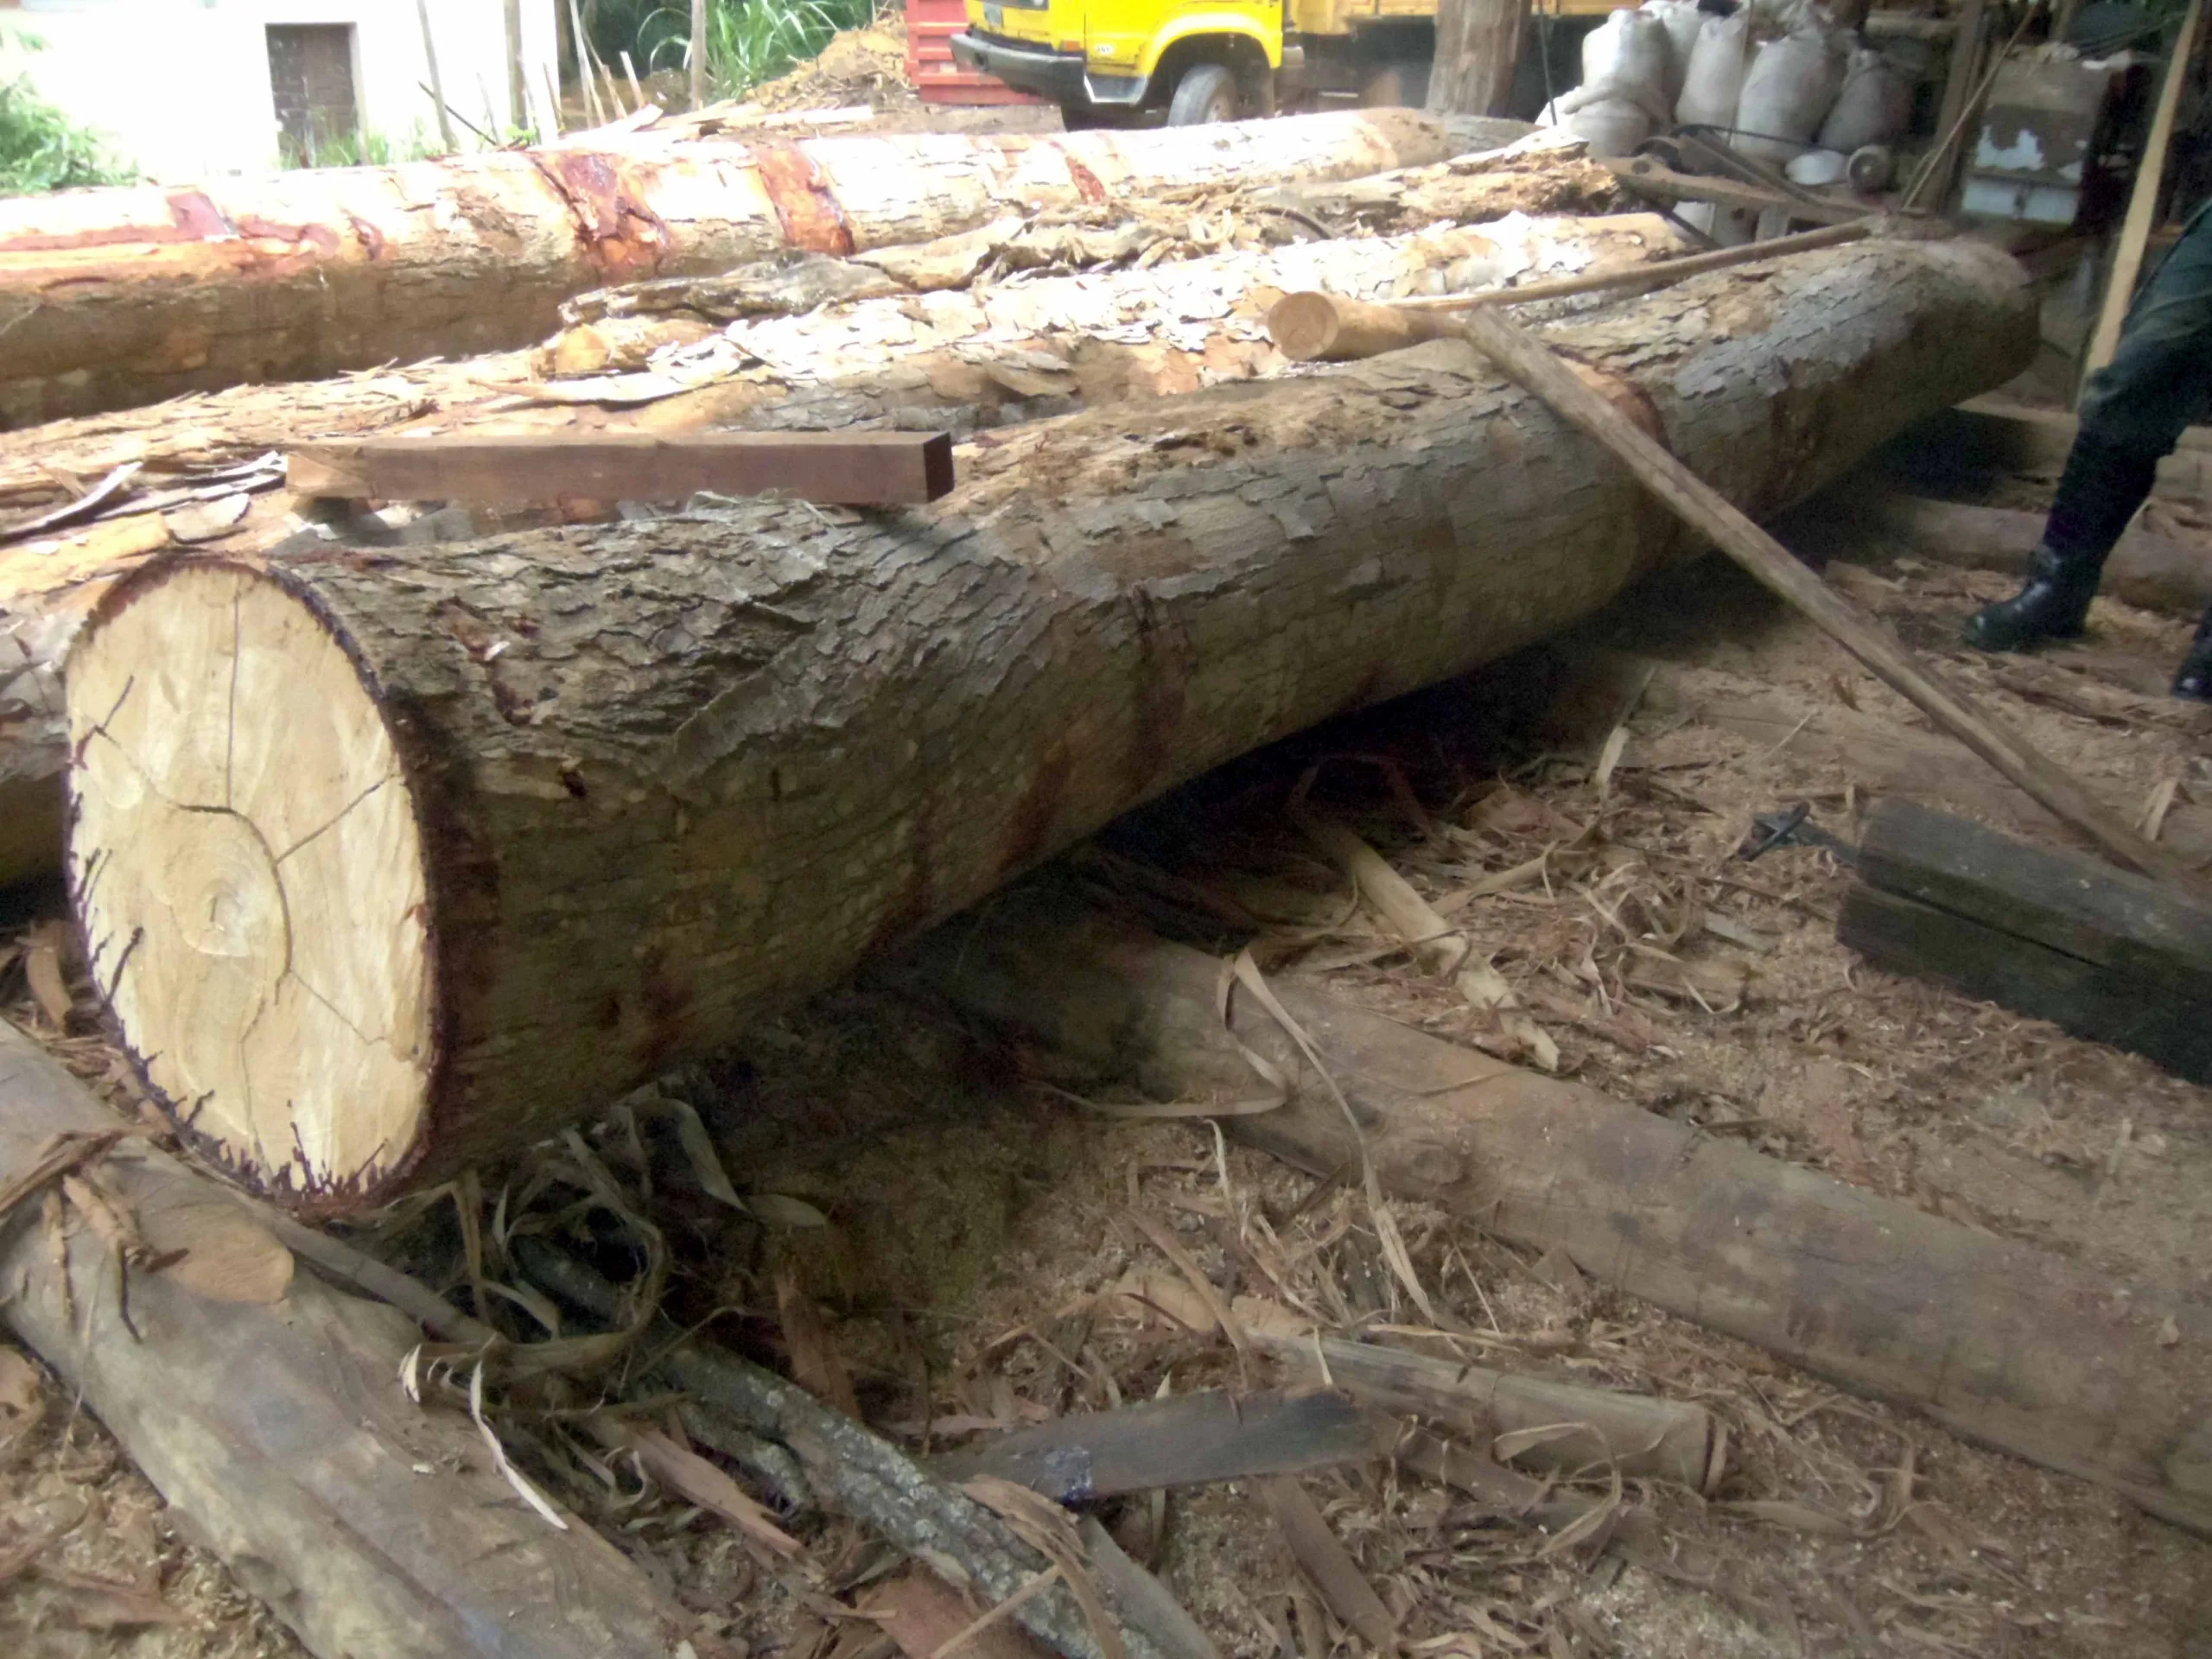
pixel 41 149
pixel 350 148
pixel 748 41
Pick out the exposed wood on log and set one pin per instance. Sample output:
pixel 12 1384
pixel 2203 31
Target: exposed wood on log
pixel 1658 274
pixel 1706 510
pixel 1186 1440
pixel 2053 934
pixel 1644 1436
pixel 622 790
pixel 856 469
pixel 1999 1341
pixel 966 361
pixel 277 1435
pixel 110 298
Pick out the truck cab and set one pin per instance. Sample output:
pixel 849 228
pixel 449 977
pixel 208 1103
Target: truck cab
pixel 1186 61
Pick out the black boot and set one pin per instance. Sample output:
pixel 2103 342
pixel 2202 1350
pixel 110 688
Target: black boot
pixel 2051 607
pixel 2194 680
pixel 2097 495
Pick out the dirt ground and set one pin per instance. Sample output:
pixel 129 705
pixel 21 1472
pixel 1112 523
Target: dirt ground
pixel 979 1223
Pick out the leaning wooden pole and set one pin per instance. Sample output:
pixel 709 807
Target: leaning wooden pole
pixel 114 298
pixel 2001 1343
pixel 264 1406
pixel 386 865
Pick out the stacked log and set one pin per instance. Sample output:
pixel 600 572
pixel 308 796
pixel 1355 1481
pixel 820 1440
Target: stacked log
pixel 956 360
pixel 386 867
pixel 114 298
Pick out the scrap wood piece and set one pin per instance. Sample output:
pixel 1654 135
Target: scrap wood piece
pixel 850 1468
pixel 839 468
pixel 2002 1343
pixel 1555 1424
pixel 1328 1565
pixel 1186 1439
pixel 2053 934
pixel 272 1428
pixel 1533 364
pixel 1656 182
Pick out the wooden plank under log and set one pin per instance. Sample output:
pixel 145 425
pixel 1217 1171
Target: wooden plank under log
pixel 2046 932
pixel 262 1405
pixel 2003 1344
pixel 854 469
pixel 474 839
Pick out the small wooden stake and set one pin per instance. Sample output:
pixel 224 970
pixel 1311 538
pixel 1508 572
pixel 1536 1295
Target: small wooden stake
pixel 698 54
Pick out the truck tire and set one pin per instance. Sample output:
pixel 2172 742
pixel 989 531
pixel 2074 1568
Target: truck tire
pixel 1206 92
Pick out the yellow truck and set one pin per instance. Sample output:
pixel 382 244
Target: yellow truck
pixel 1109 62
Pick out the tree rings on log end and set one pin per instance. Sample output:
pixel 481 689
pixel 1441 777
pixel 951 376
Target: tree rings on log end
pixel 249 874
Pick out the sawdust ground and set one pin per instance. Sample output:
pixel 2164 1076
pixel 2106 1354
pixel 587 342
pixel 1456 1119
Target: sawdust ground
pixel 968 1207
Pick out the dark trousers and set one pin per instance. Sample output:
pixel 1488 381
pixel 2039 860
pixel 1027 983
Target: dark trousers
pixel 2159 381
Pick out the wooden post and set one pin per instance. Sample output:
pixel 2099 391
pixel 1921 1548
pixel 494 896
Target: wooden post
pixel 637 91
pixel 2142 201
pixel 437 82
pixel 698 54
pixel 518 79
pixel 1942 166
pixel 1478 46
pixel 552 103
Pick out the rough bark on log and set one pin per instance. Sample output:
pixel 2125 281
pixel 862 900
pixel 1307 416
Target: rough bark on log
pixel 111 298
pixel 958 359
pixel 484 837
pixel 276 1432
pixel 2001 1343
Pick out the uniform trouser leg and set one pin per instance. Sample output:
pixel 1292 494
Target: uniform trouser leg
pixel 2133 412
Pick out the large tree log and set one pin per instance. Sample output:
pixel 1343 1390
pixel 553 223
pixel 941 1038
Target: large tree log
pixel 959 360
pixel 387 866
pixel 265 1409
pixel 1999 1342
pixel 110 298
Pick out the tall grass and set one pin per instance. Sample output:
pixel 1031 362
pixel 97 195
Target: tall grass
pixel 748 41
pixel 41 149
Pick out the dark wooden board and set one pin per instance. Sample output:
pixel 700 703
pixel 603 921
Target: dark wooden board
pixel 1187 1441
pixel 2142 930
pixel 854 469
pixel 2086 998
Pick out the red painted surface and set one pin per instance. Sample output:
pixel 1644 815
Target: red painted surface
pixel 931 25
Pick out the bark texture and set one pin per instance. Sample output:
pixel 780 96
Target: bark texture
pixel 275 1430
pixel 1478 46
pixel 112 298
pixel 2001 1343
pixel 960 360
pixel 671 775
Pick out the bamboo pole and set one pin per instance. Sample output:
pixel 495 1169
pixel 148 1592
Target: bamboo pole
pixel 518 77
pixel 698 54
pixel 437 82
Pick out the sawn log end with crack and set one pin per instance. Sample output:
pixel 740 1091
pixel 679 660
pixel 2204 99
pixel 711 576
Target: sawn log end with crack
pixel 389 866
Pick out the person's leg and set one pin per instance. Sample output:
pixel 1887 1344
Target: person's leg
pixel 2133 411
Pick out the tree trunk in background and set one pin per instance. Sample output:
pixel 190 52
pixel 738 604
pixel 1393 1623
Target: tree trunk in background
pixel 113 298
pixel 605 796
pixel 1477 47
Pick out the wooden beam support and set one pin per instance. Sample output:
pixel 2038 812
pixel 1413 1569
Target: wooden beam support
pixel 858 469
pixel 2002 1343
pixel 2055 935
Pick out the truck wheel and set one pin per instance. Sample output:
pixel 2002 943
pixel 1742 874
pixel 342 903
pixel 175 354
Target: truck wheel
pixel 1206 92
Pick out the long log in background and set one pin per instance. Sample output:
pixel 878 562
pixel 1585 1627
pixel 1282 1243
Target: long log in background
pixel 1003 354
pixel 117 297
pixel 2002 1343
pixel 670 775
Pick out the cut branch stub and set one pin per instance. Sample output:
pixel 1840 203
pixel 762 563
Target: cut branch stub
pixel 254 911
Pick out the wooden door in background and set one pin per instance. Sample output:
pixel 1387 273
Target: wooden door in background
pixel 311 71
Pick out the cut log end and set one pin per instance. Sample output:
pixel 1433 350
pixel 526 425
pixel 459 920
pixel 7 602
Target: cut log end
pixel 250 877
